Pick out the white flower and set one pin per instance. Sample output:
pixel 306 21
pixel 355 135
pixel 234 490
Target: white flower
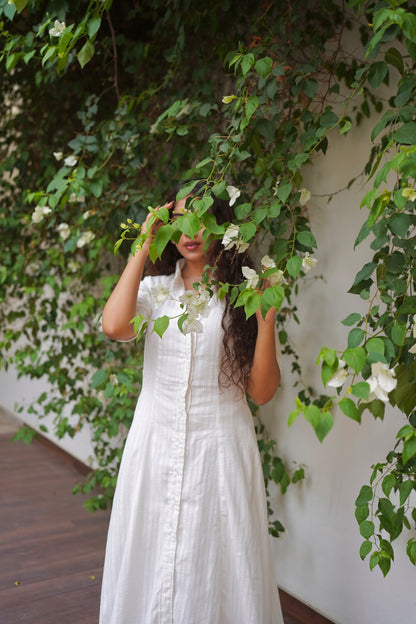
pixel 251 276
pixel 64 230
pixel 338 378
pixel 113 379
pixel 196 302
pixel 73 266
pixel 85 238
pixel 160 294
pixel 409 193
pixel 412 350
pixel 70 161
pixel 39 213
pixel 382 381
pixel 275 277
pixel 233 193
pixel 414 326
pixel 232 239
pixel 268 262
pixel 305 196
pixel 308 262
pixel 58 29
pixel 191 324
pixel 58 155
pixel 275 187
pixel 87 213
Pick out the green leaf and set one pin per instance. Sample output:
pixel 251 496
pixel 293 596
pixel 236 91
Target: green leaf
pixel 388 483
pixel 252 304
pixel 350 409
pixel 406 134
pixel 367 528
pixel 365 495
pixel 321 420
pixel 374 560
pixel 93 26
pixel 404 489
pixel 393 57
pixel 264 66
pixel 377 73
pixel 361 390
pixel 365 549
pixel 86 53
pixel 310 87
pixel 160 325
pixel 283 191
pixel 361 512
pixel 99 377
pixel 274 296
pixel 365 273
pixel 247 63
pixel 409 449
pixel 20 4
pixel 411 550
pixel 355 337
pixel 186 190
pixel 355 358
pixel 351 319
pixel 251 106
pixel 294 265
pixel 162 238
pixel 375 345
pixel 189 223
pixel 203 204
pixel 248 230
pixel 210 223
pixel 398 333
pixel 306 238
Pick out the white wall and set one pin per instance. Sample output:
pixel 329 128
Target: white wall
pixel 317 559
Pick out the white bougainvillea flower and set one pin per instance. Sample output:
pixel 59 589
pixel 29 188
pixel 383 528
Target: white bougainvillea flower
pixel 414 326
pixel 338 378
pixel 58 155
pixel 308 262
pixel 382 381
pixel 233 193
pixel 251 276
pixel 64 230
pixel 85 238
pixel 160 294
pixel 227 99
pixel 196 302
pixel 58 29
pixel 305 196
pixel 268 262
pixel 73 266
pixel 70 161
pixel 40 212
pixel 412 349
pixel 276 277
pixel 232 239
pixel 409 193
pixel 276 187
pixel 86 214
pixel 191 324
pixel 113 379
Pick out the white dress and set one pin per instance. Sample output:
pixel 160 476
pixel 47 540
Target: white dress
pixel 188 539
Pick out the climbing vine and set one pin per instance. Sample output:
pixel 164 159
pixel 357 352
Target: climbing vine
pixel 106 106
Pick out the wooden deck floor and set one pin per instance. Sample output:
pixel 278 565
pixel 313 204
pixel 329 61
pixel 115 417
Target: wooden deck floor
pixel 52 549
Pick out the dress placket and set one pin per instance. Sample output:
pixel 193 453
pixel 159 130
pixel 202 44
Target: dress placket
pixel 175 481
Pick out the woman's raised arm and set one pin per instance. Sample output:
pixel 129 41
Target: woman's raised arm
pixel 264 377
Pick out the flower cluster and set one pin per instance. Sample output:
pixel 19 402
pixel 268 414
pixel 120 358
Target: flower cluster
pixel 251 277
pixel 232 239
pixel 338 378
pixel 64 230
pixel 196 307
pixel 409 193
pixel 40 212
pixel 85 238
pixel 160 294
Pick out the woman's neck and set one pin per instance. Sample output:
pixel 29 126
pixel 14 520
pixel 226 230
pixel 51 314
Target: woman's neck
pixel 191 273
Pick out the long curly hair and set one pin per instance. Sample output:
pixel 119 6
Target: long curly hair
pixel 240 335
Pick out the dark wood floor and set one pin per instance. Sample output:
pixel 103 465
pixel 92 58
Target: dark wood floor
pixel 52 549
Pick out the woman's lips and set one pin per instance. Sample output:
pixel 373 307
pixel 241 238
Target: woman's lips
pixel 191 245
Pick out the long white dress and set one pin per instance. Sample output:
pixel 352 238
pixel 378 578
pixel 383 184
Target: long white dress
pixel 188 539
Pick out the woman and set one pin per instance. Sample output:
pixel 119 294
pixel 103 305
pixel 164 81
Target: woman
pixel 188 539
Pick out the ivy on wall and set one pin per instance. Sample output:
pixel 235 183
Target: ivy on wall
pixel 106 106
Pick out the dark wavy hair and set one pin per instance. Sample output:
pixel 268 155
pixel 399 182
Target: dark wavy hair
pixel 239 334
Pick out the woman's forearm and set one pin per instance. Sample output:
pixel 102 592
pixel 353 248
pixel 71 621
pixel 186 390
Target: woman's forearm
pixel 264 377
pixel 121 305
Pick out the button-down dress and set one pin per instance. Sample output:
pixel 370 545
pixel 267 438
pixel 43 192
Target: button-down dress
pixel 188 539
